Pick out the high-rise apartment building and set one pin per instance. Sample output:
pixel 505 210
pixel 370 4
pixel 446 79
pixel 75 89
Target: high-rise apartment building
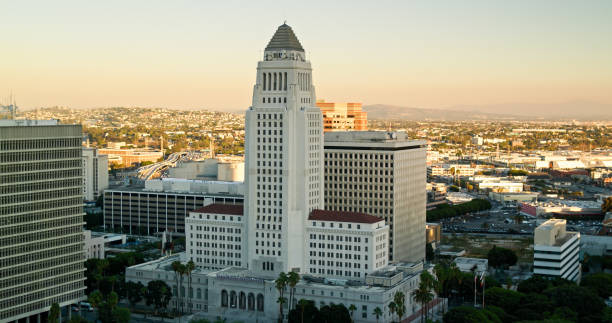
pixel 343 116
pixel 41 217
pixel 556 252
pixel 284 157
pixel 382 174
pixel 95 173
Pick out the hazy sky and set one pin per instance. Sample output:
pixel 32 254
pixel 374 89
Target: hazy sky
pixel 203 54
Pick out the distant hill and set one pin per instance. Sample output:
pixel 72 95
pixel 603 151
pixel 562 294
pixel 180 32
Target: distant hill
pixel 579 110
pixel 384 111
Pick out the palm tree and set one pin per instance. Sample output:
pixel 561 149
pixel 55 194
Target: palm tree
pixel 392 308
pixel 281 284
pixel 442 277
pixel 292 279
pixel 378 313
pixel 281 301
pixel 188 269
pixel 302 304
pixel 352 309
pixel 423 296
pixel 176 267
pixel 399 300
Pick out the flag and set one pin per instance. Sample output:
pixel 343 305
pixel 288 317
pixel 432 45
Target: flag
pixel 482 279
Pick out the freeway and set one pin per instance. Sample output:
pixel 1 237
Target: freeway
pixel 156 169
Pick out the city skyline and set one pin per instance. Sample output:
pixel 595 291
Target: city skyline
pixel 184 55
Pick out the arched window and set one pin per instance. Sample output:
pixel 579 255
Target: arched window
pixel 280 81
pixel 260 302
pixel 251 302
pixel 233 299
pixel 264 81
pixel 263 100
pixel 269 81
pixel 224 298
pixel 242 301
pixel 199 293
pixel 275 80
pixel 285 81
pixel 274 100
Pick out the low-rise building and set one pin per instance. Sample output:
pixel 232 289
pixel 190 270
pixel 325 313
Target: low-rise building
pixel 163 204
pixel 93 245
pixel 466 264
pixel 433 232
pixel 556 251
pixel 513 197
pixel 346 245
pixel 216 236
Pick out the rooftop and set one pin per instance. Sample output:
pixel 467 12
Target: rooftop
pixel 230 209
pixel 343 216
pixel 284 38
pixel 25 122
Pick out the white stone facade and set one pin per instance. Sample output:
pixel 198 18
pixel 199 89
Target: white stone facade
pixel 216 236
pixel 284 158
pixel 94 246
pixel 95 174
pixel 556 252
pixel 346 250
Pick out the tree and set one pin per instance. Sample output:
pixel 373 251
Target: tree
pixel 400 300
pixel 581 300
pixel 158 294
pixel 121 315
pixel 429 252
pixel 466 314
pixel 423 296
pixel 306 312
pixel 188 270
pixel 600 283
pixel 281 302
pixel 135 292
pixel 392 307
pixel 179 270
pixel 378 313
pixel 606 206
pixel 280 284
pixel 501 257
pixel 54 313
pixel 292 279
pixel 334 313
pixel 352 309
pixel 508 300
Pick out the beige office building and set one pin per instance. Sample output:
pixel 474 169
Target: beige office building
pixel 41 218
pixel 383 174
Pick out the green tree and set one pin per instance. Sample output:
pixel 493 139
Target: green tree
pixel 423 294
pixel 466 314
pixel 352 309
pixel 158 294
pixel 121 315
pixel 306 312
pixel 54 313
pixel 179 270
pixel 280 284
pixel 135 292
pixel 292 279
pixel 600 283
pixel 378 313
pixel 400 300
pixel 586 303
pixel 189 267
pixel 501 257
pixel 392 307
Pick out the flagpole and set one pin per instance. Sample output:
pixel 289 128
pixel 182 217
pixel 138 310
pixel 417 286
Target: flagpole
pixel 475 277
pixel 483 290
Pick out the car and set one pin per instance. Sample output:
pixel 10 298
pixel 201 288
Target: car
pixel 86 306
pixel 74 308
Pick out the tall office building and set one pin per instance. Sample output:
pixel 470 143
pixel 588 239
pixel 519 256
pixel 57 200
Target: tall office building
pixel 382 174
pixel 343 116
pixel 95 173
pixel 41 217
pixel 284 157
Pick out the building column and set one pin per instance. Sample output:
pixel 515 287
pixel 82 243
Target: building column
pixel 69 307
pixel 38 318
pixel 28 319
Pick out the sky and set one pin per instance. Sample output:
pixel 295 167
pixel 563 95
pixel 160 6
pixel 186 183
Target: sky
pixel 203 54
